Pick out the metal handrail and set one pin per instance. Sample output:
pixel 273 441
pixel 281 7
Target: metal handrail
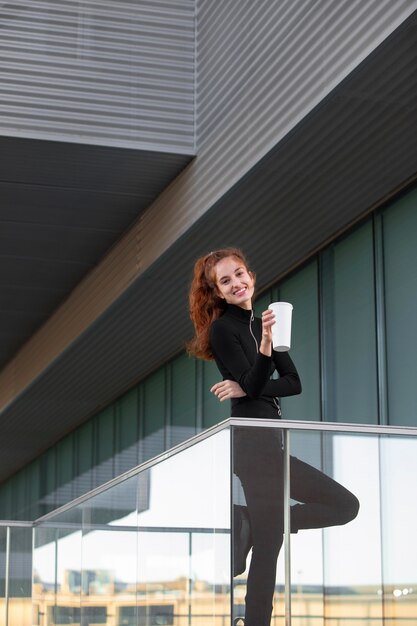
pixel 285 425
pixel 15 524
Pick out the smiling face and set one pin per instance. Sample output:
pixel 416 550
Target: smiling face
pixel 234 282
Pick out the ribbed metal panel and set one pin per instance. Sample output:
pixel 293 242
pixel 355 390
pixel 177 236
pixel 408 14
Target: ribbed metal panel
pixel 98 71
pixel 262 66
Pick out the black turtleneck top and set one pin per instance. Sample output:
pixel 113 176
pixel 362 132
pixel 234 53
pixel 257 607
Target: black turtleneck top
pixel 234 340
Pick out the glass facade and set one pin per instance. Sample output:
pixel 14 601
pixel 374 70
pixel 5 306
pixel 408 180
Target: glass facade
pixel 348 330
pixel 301 290
pixel 169 546
pixel 354 338
pixel 400 285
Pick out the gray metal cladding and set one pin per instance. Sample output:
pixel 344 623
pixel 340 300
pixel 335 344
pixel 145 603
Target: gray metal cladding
pixel 99 71
pixel 264 64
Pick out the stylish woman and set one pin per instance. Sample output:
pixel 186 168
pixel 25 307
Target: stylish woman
pixel 241 344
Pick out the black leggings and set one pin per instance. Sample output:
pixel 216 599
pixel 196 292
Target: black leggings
pixel 258 461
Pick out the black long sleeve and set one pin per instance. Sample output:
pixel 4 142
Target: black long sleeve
pixel 234 339
pixel 288 383
pixel 228 347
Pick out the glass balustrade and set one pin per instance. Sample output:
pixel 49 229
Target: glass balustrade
pixel 192 537
pixel 362 571
pixel 345 498
pixel 151 549
pixel 15 573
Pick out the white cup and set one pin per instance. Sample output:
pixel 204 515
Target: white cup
pixel 281 330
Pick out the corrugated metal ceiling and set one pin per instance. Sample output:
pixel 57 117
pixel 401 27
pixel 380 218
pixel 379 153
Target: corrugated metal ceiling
pixel 62 206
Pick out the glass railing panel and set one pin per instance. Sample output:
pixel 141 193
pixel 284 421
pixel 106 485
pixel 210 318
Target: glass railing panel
pixel 15 574
pixel 351 516
pixel 184 537
pixel 44 575
pixel 210 567
pixel 336 567
pixel 57 576
pixel 109 549
pixel 307 548
pixel 19 610
pixel 398 461
pixel 56 590
pixel 153 548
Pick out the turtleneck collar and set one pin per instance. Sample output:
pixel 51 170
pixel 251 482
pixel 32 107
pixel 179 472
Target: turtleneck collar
pixel 237 312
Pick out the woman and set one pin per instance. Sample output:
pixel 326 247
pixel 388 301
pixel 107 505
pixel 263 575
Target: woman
pixel 241 344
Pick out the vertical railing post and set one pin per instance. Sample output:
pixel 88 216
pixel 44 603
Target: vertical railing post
pixel 231 519
pixel 55 610
pixel 31 580
pixel 287 528
pixel 6 577
pixel 190 576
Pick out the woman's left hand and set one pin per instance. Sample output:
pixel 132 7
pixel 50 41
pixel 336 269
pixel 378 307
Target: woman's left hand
pixel 268 320
pixel 227 389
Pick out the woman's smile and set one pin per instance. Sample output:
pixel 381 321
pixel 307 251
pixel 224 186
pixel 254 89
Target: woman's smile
pixel 234 282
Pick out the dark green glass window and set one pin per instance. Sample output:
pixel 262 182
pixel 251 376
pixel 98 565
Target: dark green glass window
pixel 6 509
pixel 214 411
pixel 34 508
pixel 400 263
pixel 154 409
pixel 48 478
pixel 84 441
pixel 183 398
pixel 348 329
pixel 261 303
pixel 65 470
pixel 127 431
pixel 104 445
pixel 302 292
pixel 19 495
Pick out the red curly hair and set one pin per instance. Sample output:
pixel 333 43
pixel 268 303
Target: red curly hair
pixel 205 303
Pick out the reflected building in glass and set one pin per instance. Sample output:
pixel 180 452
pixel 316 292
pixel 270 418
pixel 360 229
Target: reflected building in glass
pixel 135 137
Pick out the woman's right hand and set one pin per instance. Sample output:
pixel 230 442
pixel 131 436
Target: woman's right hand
pixel 268 320
pixel 227 389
